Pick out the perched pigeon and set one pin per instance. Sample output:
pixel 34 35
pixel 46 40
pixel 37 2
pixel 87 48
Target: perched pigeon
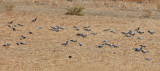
pixel 131 32
pixel 80 44
pixel 7 44
pixel 41 27
pixel 14 29
pixel 109 44
pixel 30 32
pixel 151 32
pixel 70 56
pixel 22 43
pixel 86 26
pixel 100 46
pixel 123 33
pixel 18 43
pixel 75 27
pixel 87 29
pixel 34 20
pixel 106 29
pixel 94 33
pixel 79 34
pixel 113 31
pixel 149 59
pixel 140 38
pixel 142 46
pixel 23 37
pixel 55 30
pixel 84 35
pixel 65 44
pixel 15 25
pixel 115 46
pixel 10 26
pixel 128 35
pixel 20 24
pixel 138 49
pixel 73 40
pixel 106 40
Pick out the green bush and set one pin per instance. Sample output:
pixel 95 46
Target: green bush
pixel 9 7
pixel 76 11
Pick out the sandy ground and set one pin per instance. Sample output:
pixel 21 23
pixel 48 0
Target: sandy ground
pixel 43 50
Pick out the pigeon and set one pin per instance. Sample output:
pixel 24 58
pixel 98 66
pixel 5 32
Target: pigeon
pixel 109 44
pixel 142 46
pixel 145 51
pixel 140 32
pixel 54 27
pixel 62 28
pixel 138 49
pixel 106 40
pixel 20 24
pixel 115 46
pixel 10 22
pixel 23 37
pixel 75 27
pixel 73 40
pixel 94 33
pixel 87 29
pixel 65 44
pixel 84 35
pixel 80 44
pixel 58 26
pixel 100 46
pixel 149 59
pixel 18 43
pixel 106 29
pixel 34 20
pixel 131 32
pixel 140 38
pixel 10 26
pixel 123 33
pixel 79 34
pixel 151 32
pixel 7 44
pixel 40 27
pixel 30 32
pixel 22 43
pixel 113 31
pixel 55 30
pixel 128 35
pixel 137 29
pixel 14 29
pixel 86 26
pixel 15 25
pixel 70 56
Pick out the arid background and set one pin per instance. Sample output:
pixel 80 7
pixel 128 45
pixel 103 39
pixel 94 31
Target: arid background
pixel 43 50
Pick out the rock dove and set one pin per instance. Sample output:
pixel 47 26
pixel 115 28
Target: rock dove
pixel 106 40
pixel 10 26
pixel 94 33
pixel 138 49
pixel 113 31
pixel 70 56
pixel 20 24
pixel 54 27
pixel 14 29
pixel 30 32
pixel 140 32
pixel 151 32
pixel 22 43
pixel 15 25
pixel 41 27
pixel 137 29
pixel 34 20
pixel 7 44
pixel 79 34
pixel 10 22
pixel 73 40
pixel 58 26
pixel 100 46
pixel 80 44
pixel 115 46
pixel 18 43
pixel 84 35
pixel 106 29
pixel 87 29
pixel 123 33
pixel 145 51
pixel 55 30
pixel 23 37
pixel 140 38
pixel 142 46
pixel 86 26
pixel 75 27
pixel 149 59
pixel 128 35
pixel 65 44
pixel 131 32
pixel 109 44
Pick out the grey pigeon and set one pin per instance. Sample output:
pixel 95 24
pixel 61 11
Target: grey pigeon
pixel 80 44
pixel 70 56
pixel 140 38
pixel 18 43
pixel 138 49
pixel 113 31
pixel 22 43
pixel 23 37
pixel 73 40
pixel 106 29
pixel 54 27
pixel 79 34
pixel 137 29
pixel 151 32
pixel 106 40
pixel 30 32
pixel 14 29
pixel 86 26
pixel 109 44
pixel 10 22
pixel 100 46
pixel 55 30
pixel 15 25
pixel 149 59
pixel 94 33
pixel 142 46
pixel 41 27
pixel 140 32
pixel 84 35
pixel 131 32
pixel 65 44
pixel 87 29
pixel 145 51
pixel 75 27
pixel 115 46
pixel 123 33
pixel 7 44
pixel 34 20
pixel 10 26
pixel 128 35
pixel 20 24
pixel 58 26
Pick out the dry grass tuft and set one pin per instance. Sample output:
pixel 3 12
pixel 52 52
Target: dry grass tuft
pixel 9 7
pixel 76 11
pixel 147 13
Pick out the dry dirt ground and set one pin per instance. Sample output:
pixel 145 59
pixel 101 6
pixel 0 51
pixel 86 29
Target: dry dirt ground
pixel 43 50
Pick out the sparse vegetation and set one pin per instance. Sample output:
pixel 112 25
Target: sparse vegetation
pixel 147 13
pixel 9 7
pixel 75 11
pixel 158 7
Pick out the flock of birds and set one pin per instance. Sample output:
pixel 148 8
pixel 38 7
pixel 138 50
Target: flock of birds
pixel 130 33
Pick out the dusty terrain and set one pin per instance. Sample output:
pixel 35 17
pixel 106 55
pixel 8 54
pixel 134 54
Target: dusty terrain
pixel 43 50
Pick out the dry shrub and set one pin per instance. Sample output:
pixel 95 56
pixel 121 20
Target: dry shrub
pixel 9 7
pixel 76 11
pixel 147 13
